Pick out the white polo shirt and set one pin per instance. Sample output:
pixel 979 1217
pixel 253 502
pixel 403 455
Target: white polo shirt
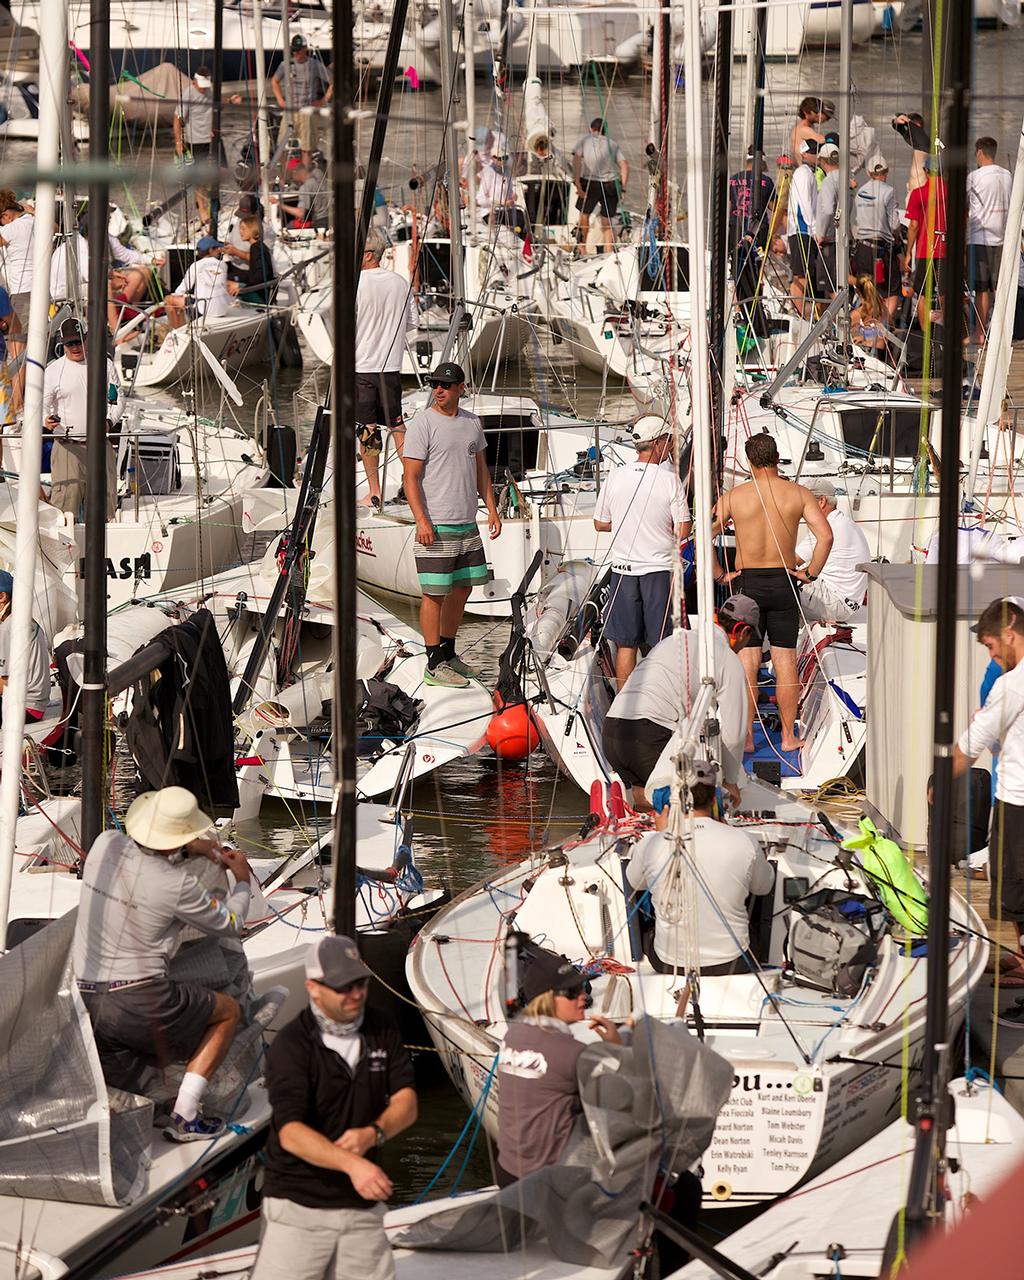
pixel 1001 721
pixel 645 503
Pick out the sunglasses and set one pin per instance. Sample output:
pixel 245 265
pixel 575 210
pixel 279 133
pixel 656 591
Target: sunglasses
pixel 73 342
pixel 359 984
pixel 434 383
pixel 571 993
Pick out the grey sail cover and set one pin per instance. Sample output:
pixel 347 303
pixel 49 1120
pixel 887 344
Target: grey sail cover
pixel 653 1102
pixel 63 1134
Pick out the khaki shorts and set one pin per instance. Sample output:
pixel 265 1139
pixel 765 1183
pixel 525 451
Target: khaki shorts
pixel 321 1244
pixel 308 127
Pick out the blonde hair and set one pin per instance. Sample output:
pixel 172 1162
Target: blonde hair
pixel 252 223
pixel 542 1006
pixel 872 307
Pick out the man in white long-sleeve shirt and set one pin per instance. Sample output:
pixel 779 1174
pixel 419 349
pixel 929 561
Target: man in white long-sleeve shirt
pixel 1001 721
pixel 65 404
pixel 137 897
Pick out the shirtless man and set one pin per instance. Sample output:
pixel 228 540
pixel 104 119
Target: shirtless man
pixel 765 514
pixel 812 113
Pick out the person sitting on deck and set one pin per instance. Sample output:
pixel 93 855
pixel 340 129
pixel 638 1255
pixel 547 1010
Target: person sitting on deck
pixel 258 284
pixel 205 282
pixel 728 867
pixel 539 1092
pixel 839 590
pixel 646 712
pixel 137 897
pixel 765 513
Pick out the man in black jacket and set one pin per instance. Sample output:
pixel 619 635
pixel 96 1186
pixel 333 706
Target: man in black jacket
pixel 340 1084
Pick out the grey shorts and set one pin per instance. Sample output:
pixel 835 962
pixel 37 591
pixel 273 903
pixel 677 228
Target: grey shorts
pixel 159 1021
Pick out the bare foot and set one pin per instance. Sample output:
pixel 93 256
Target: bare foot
pixel 364 502
pixel 748 746
pixel 793 744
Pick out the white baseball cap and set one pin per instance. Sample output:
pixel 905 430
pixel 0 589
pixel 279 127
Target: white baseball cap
pixel 649 428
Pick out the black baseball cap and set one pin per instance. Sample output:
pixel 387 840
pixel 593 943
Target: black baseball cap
pixel 547 971
pixel 72 331
pixel 449 374
pixel 298 42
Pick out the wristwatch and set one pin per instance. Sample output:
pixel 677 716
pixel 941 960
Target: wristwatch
pixel 810 577
pixel 382 1137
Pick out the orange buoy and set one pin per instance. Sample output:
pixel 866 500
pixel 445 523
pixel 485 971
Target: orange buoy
pixel 512 732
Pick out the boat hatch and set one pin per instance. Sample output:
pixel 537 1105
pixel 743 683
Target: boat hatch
pixel 435 266
pixel 665 268
pixel 513 444
pixel 882 431
pixel 547 200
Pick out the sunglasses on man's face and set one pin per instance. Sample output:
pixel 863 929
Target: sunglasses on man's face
pixel 360 984
pixel 73 342
pixel 434 383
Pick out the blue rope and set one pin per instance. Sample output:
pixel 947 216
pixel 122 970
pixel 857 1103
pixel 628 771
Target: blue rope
pixel 977 1073
pixel 474 1118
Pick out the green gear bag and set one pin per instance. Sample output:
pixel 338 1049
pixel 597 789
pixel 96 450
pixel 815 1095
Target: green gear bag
pixel 890 872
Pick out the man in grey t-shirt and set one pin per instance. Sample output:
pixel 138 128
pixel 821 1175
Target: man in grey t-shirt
pixel 601 173
pixel 309 86
pixel 445 473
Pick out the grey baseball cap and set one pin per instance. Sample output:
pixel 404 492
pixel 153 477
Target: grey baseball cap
pixel 334 960
pixel 740 609
pixel 704 771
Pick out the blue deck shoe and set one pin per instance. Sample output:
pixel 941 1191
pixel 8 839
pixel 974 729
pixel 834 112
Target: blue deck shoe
pixel 201 1129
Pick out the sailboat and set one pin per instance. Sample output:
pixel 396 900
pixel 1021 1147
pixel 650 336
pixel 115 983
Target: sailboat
pixel 800 1101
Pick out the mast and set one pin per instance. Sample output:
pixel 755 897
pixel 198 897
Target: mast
pixel 53 59
pixel 660 93
pixel 218 91
pixel 380 125
pixel 843 203
pixel 717 314
pixel 94 647
pixel 924 1192
pixel 457 341
pixel 262 127
pixel 343 402
pixel 701 366
pixel 997 349
pixel 469 27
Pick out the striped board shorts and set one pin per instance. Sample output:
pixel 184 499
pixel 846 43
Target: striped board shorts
pixel 455 560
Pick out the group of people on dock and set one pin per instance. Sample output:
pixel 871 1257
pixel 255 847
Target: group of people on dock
pixel 897 246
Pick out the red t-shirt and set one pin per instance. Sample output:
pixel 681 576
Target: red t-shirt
pixel 931 241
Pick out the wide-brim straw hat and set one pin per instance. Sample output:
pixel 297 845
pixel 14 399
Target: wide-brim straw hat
pixel 166 819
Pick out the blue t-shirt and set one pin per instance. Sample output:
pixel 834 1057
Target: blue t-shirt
pixel 992 673
pixel 5 310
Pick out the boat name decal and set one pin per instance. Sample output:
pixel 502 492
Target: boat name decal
pixel 127 567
